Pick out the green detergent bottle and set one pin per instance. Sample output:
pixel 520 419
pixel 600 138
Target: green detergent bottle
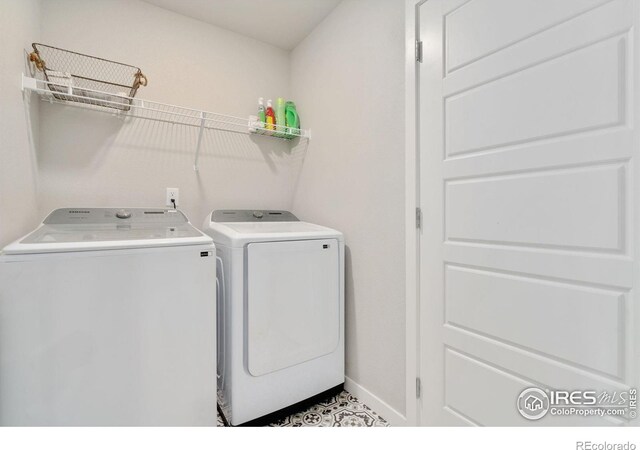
pixel 292 120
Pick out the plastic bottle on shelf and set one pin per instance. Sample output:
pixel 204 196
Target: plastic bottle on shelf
pixel 280 117
pixel 270 116
pixel 292 120
pixel 261 114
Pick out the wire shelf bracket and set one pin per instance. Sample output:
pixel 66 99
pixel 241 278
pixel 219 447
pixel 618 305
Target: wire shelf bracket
pixel 161 112
pixel 203 121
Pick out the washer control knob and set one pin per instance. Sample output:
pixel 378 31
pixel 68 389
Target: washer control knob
pixel 123 214
pixel 258 214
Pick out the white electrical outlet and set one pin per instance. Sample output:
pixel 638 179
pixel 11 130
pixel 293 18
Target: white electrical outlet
pixel 172 194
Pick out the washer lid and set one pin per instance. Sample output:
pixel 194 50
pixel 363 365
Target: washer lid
pixel 78 229
pixel 239 234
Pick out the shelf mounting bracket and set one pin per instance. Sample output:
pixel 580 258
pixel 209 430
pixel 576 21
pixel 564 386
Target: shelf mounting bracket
pixel 203 119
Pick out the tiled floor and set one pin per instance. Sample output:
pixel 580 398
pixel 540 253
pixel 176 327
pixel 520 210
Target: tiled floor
pixel 342 410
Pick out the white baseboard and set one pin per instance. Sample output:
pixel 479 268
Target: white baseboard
pixel 378 405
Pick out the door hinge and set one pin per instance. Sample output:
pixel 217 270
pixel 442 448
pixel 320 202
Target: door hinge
pixel 418 388
pixel 419 51
pixel 418 218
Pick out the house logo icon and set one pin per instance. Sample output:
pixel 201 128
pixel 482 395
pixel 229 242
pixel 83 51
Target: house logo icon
pixel 533 403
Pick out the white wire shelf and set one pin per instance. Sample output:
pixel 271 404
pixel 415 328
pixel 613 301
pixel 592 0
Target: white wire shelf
pixel 121 105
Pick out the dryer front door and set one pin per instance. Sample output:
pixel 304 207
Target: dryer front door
pixel 292 303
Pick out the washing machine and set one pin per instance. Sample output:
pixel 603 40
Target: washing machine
pixel 280 312
pixel 107 317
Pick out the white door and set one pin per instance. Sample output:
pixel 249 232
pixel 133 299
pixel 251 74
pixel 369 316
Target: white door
pixel 293 303
pixel 529 193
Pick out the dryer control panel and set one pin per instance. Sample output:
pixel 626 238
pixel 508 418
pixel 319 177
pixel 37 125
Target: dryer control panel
pixel 252 215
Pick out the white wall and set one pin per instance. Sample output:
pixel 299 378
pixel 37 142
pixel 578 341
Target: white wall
pixel 93 159
pixel 19 25
pixel 348 79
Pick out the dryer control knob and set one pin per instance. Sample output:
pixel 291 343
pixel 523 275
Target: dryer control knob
pixel 123 214
pixel 258 214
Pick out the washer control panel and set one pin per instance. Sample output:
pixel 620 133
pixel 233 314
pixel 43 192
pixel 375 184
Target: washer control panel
pixel 65 216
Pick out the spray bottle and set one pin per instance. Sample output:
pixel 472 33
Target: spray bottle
pixel 261 114
pixel 271 116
